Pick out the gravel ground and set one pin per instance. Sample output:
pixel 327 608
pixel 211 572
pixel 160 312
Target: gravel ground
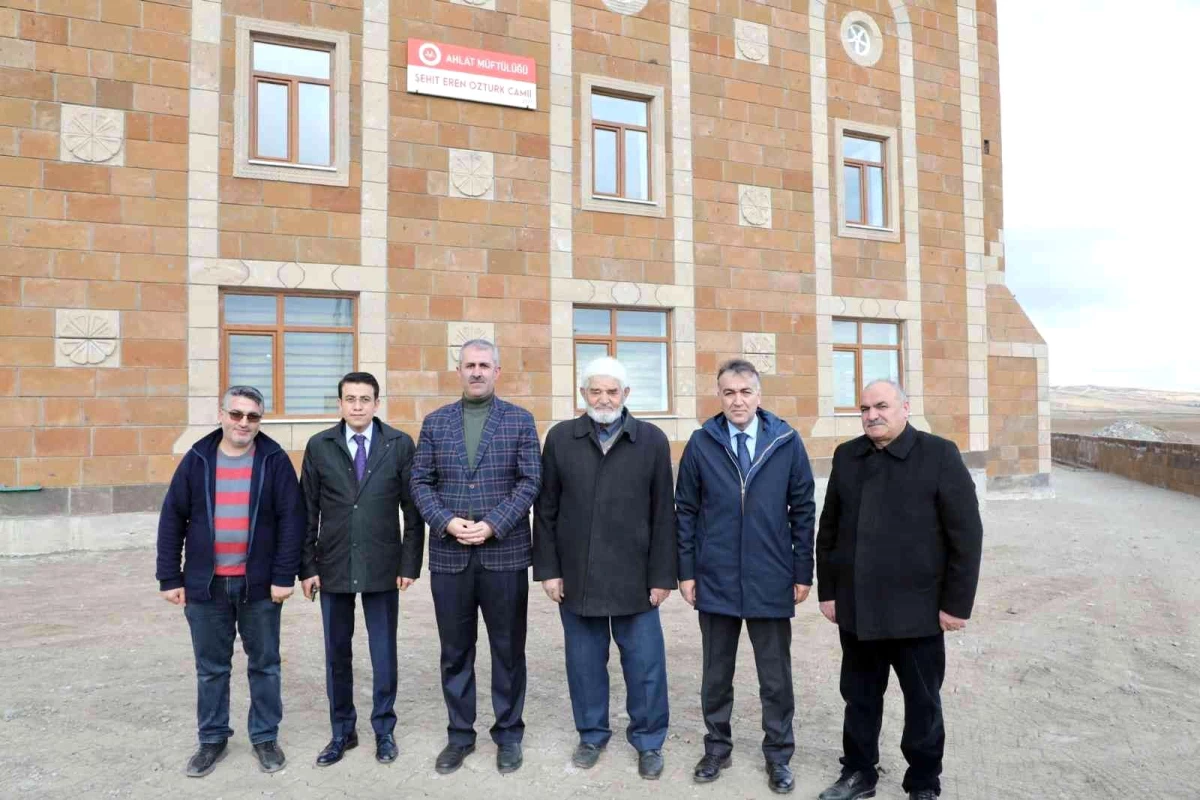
pixel 1077 677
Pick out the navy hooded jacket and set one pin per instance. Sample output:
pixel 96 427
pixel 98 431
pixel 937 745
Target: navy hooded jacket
pixel 277 521
pixel 745 543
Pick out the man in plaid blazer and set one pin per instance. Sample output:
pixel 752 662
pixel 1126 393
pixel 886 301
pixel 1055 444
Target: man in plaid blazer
pixel 475 476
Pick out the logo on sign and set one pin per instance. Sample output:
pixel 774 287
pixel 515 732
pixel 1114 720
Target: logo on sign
pixel 430 54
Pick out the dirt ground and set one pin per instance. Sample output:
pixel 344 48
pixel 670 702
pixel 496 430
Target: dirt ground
pixel 1078 677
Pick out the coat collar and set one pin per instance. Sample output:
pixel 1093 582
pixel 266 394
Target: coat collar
pixel 583 426
pixel 900 447
pixel 770 428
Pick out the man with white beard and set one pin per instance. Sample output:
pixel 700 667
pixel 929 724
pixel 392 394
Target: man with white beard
pixel 604 549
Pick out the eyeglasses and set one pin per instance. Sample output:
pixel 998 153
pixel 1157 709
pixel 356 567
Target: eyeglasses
pixel 252 418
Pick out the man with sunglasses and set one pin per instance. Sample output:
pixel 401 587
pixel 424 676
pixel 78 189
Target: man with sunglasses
pixel 355 484
pixel 233 512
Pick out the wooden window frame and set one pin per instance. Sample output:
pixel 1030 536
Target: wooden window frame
pixel 292 82
pixel 277 332
pixel 619 129
pixel 611 342
pixel 858 348
pixel 862 166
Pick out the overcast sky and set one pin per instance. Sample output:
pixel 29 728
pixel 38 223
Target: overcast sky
pixel 1100 102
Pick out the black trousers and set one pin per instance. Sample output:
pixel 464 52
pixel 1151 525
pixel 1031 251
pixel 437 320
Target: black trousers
pixel 503 597
pixel 772 642
pixel 381 611
pixel 920 666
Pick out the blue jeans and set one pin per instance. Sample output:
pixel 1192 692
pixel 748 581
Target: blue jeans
pixel 639 637
pixel 213 623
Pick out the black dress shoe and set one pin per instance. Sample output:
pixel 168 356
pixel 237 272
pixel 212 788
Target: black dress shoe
pixel 922 794
pixel 337 748
pixel 204 759
pixel 779 778
pixel 650 764
pixel 509 758
pixel 586 755
pixel 708 768
pixel 451 757
pixel 270 757
pixel 851 786
pixel 385 748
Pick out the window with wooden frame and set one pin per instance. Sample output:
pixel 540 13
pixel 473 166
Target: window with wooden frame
pixel 620 146
pixel 863 351
pixel 291 110
pixel 291 346
pixel 864 175
pixel 640 339
pixel 291 102
pixel 867 171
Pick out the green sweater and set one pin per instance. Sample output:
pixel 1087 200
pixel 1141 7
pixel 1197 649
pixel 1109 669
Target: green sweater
pixel 475 414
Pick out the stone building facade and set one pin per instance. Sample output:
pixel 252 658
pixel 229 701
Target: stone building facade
pixel 814 185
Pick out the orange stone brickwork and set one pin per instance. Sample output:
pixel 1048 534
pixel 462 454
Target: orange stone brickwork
pixel 121 219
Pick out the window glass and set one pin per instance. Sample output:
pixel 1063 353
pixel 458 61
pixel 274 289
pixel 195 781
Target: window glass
pixel 641 323
pixel 312 365
pixel 619 109
pixel 586 353
pixel 272 140
pixel 250 364
pixel 250 309
pixel 853 201
pixel 879 333
pixel 646 363
pixel 845 384
pixel 862 149
pixel 302 62
pixel 880 364
pixel 637 168
pixel 329 312
pixel 605 155
pixel 315 139
pixel 875 196
pixel 845 331
pixel 593 321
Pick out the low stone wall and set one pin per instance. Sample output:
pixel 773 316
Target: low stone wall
pixel 1166 464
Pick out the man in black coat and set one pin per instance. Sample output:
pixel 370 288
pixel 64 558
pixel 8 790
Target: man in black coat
pixel 604 549
pixel 355 483
pixel 897 565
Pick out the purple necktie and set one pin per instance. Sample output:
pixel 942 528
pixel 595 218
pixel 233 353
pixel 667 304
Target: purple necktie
pixel 360 457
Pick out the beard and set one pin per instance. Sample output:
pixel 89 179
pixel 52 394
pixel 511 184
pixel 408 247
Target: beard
pixel 605 417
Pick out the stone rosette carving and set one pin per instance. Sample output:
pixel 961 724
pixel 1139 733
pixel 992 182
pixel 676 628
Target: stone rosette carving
pixel 489 5
pixel 752 40
pixel 86 338
pixel 458 333
pixel 754 206
pixel 472 174
pixel 759 349
pixel 92 135
pixel 626 7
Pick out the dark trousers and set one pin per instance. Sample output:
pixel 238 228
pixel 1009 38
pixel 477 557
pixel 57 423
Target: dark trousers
pixel 920 666
pixel 381 611
pixel 503 597
pixel 639 638
pixel 213 623
pixel 772 642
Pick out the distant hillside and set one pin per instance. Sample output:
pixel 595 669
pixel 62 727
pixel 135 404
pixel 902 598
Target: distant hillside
pixel 1112 400
pixel 1126 413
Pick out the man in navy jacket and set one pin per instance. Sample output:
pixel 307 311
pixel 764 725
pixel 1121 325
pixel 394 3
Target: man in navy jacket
pixel 744 516
pixel 234 513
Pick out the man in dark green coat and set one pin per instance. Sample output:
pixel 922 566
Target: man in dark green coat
pixel 355 483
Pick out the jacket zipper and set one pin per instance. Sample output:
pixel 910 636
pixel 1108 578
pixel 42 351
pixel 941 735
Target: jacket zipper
pixel 212 523
pixel 745 479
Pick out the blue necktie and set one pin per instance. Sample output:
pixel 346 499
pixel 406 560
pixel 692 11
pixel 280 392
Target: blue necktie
pixel 743 454
pixel 360 457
